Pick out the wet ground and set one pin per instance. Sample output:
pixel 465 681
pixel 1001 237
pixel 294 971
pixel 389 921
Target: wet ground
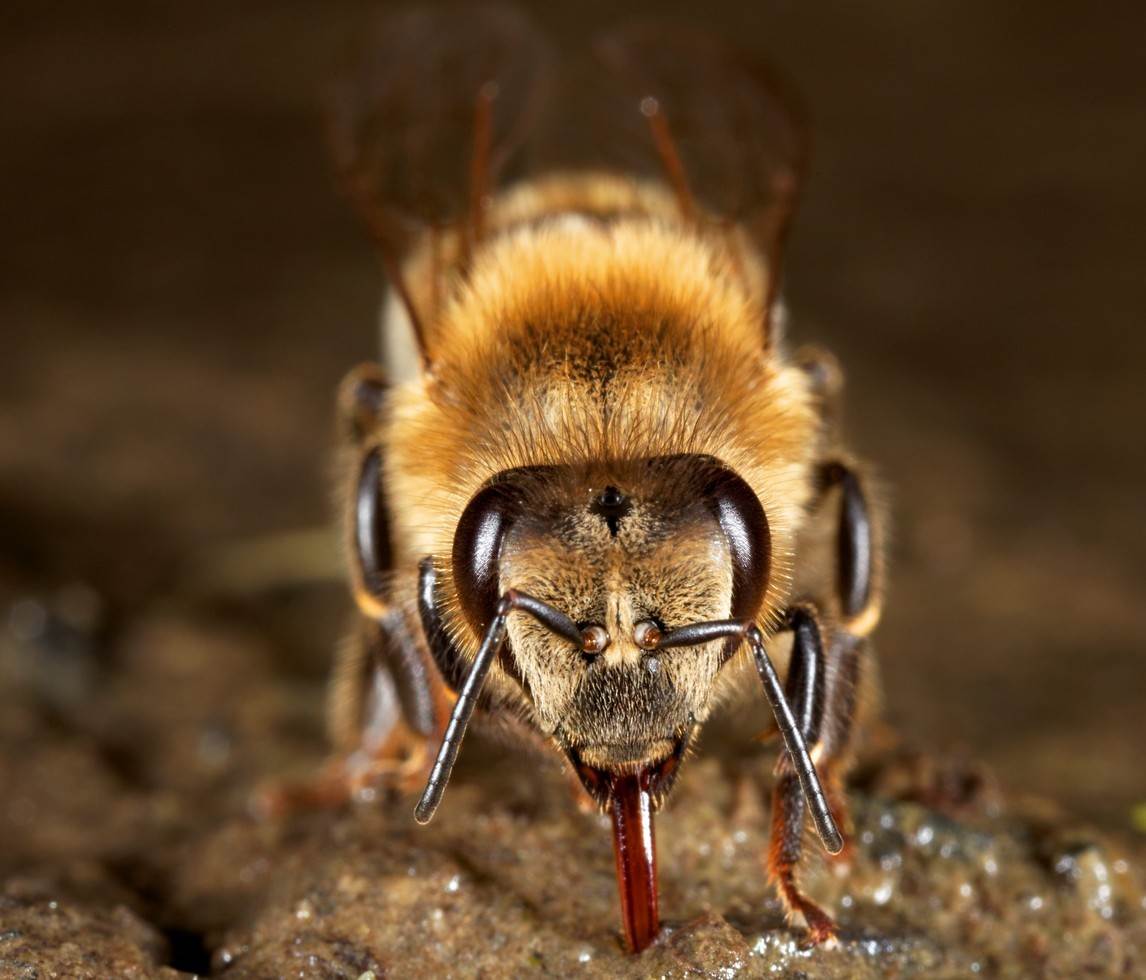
pixel 127 847
pixel 128 852
pixel 180 291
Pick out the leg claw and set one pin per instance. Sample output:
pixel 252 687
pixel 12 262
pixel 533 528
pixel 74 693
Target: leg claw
pixel 822 932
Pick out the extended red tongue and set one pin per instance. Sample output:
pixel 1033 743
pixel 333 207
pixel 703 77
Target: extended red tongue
pixel 635 849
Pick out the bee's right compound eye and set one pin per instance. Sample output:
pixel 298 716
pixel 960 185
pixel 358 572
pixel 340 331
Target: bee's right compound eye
pixel 594 640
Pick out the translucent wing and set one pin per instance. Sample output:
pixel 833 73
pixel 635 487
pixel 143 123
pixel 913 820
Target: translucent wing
pixel 429 121
pixel 716 122
pixel 429 115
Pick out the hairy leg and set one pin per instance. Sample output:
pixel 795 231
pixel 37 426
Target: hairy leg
pixel 387 702
pixel 806 692
pixel 824 682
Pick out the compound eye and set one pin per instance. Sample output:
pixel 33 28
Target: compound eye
pixel 647 634
pixel 594 639
pixel 745 528
pixel 477 545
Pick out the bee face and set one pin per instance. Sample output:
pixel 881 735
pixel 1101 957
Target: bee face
pixel 626 553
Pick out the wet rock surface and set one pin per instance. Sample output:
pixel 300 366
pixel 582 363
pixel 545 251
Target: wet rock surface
pixel 130 852
pixel 54 938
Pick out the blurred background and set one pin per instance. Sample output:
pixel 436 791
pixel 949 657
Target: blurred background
pixel 181 289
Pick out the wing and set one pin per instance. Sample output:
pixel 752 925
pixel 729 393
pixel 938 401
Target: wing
pixel 432 115
pixel 428 116
pixel 717 123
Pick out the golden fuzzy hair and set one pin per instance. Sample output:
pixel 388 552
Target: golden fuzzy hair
pixel 576 340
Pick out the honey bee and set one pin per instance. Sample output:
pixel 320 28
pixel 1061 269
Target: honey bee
pixel 593 485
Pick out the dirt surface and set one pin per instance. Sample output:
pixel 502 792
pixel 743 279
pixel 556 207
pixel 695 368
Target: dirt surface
pixel 129 848
pixel 180 291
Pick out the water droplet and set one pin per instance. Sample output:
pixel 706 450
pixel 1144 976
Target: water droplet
pixel 1066 865
pixel 891 861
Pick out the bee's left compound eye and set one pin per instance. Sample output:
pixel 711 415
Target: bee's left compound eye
pixel 594 639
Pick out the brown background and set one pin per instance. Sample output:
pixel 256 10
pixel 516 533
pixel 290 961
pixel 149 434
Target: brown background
pixel 180 290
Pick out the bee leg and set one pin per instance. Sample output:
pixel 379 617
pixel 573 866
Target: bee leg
pixel 805 689
pixel 826 381
pixel 385 700
pixel 385 727
pixel 361 402
pixel 859 595
pixel 859 571
pixel 385 709
pixel 845 657
pixel 394 703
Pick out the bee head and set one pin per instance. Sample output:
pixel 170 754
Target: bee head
pixel 628 552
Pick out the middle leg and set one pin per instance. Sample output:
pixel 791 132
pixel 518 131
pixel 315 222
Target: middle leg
pixel 806 692
pixel 858 600
pixel 387 703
